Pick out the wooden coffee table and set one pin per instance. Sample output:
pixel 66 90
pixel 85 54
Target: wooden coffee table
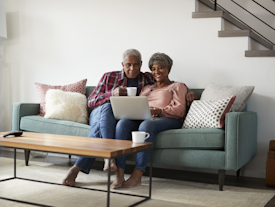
pixel 73 145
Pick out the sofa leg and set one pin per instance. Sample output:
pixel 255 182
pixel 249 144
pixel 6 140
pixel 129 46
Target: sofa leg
pixel 27 156
pixel 221 179
pixel 238 172
pixel 70 156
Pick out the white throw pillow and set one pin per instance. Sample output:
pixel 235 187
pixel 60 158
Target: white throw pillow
pixel 70 106
pixel 215 92
pixel 207 114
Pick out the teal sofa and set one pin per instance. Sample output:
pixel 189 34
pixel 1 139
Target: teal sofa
pixel 221 149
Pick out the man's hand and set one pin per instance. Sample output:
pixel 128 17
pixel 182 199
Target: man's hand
pixel 120 91
pixel 190 97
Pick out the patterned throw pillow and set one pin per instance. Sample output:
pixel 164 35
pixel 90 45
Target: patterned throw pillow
pixel 79 87
pixel 207 114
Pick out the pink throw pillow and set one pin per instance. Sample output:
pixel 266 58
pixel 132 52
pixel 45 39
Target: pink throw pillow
pixel 79 87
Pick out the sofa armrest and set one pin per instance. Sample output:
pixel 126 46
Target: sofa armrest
pixel 240 138
pixel 22 109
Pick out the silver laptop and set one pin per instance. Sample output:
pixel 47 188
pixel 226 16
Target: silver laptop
pixel 130 107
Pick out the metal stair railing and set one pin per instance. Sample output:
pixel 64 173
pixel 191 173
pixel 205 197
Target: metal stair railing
pixel 254 14
pixel 264 7
pixel 215 9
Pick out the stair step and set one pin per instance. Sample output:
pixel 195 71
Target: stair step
pixel 252 34
pixel 237 23
pixel 234 33
pixel 260 53
pixel 246 33
pixel 261 40
pixel 207 14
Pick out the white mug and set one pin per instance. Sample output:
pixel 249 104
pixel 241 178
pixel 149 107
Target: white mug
pixel 139 137
pixel 131 91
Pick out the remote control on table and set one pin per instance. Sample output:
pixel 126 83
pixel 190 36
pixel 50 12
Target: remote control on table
pixel 15 133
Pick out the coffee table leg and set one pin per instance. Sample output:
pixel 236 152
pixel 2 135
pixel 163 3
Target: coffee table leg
pixel 109 183
pixel 14 156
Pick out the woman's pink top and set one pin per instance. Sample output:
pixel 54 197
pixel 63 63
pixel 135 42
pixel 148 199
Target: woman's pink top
pixel 171 99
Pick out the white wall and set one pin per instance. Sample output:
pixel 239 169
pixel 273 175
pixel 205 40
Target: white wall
pixel 64 41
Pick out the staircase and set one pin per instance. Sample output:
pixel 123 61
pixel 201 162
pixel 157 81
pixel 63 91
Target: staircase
pixel 242 30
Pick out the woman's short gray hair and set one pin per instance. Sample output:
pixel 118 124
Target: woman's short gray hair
pixel 161 59
pixel 131 52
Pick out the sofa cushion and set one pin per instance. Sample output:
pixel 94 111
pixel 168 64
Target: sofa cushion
pixel 53 126
pixel 190 139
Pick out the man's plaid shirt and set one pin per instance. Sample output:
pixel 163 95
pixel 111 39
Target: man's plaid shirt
pixel 112 80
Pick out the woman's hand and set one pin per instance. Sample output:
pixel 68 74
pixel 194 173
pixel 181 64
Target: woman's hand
pixel 155 112
pixel 190 97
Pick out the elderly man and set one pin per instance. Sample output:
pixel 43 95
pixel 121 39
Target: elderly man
pixel 102 120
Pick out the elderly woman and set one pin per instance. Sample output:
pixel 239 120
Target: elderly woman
pixel 167 103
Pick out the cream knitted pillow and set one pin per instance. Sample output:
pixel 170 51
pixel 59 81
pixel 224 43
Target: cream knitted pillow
pixel 70 106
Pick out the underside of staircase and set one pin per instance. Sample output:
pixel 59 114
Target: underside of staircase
pixel 243 32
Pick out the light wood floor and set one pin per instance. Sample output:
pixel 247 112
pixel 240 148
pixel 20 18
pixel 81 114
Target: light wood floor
pixel 247 182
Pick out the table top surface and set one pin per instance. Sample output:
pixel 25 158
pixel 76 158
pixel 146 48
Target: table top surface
pixel 96 147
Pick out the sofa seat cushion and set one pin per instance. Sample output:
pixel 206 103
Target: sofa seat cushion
pixel 191 139
pixel 53 126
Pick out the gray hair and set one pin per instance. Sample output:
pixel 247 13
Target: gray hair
pixel 161 59
pixel 129 52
